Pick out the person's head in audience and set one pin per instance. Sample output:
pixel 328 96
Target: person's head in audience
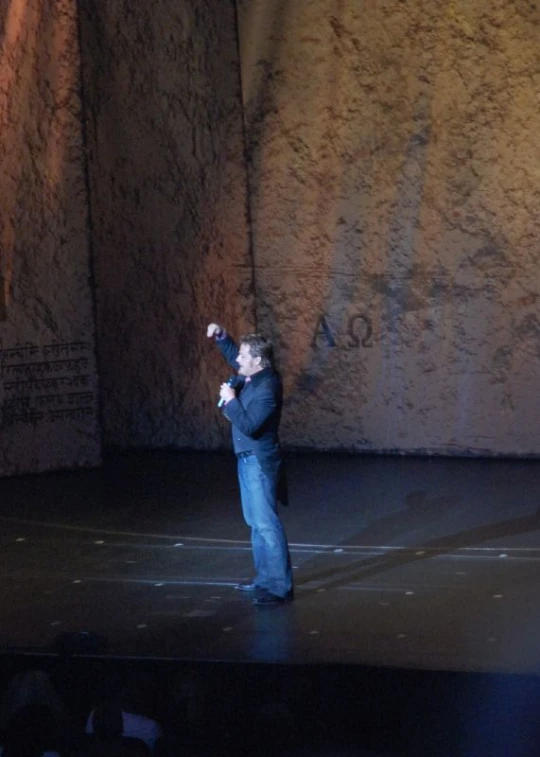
pixel 108 722
pixel 26 688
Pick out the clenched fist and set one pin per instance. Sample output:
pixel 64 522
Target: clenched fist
pixel 214 329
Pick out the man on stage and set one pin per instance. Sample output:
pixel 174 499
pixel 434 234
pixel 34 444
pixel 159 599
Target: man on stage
pixel 252 402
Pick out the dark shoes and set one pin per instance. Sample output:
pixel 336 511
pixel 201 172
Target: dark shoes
pixel 267 599
pixel 263 597
pixel 248 586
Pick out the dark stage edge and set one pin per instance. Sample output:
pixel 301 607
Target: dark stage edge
pixel 416 619
pixel 421 563
pixel 415 563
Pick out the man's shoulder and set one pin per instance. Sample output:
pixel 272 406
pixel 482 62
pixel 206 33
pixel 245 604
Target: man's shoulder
pixel 268 377
pixel 141 723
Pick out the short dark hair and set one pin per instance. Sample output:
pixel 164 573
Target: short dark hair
pixel 260 346
pixel 107 721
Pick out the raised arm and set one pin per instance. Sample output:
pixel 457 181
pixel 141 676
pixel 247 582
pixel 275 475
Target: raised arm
pixel 214 330
pixel 226 345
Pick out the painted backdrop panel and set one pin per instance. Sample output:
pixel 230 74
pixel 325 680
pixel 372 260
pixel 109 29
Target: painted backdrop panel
pixel 48 379
pixel 394 165
pixel 169 208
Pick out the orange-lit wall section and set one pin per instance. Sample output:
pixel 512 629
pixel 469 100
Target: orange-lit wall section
pixel 48 378
pixel 394 159
pixel 169 212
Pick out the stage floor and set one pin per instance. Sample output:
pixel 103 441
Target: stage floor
pixel 399 562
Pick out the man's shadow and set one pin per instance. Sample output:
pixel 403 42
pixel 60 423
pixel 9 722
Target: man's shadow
pixel 420 511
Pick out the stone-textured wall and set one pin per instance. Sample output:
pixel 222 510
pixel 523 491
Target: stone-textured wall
pixel 48 384
pixel 392 200
pixel 394 168
pixel 169 212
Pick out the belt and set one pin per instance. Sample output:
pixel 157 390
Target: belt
pixel 247 453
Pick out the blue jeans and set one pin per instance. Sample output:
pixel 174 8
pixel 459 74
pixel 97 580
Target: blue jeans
pixel 270 549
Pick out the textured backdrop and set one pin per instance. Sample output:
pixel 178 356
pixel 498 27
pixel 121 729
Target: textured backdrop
pixel 383 229
pixel 394 167
pixel 169 212
pixel 48 384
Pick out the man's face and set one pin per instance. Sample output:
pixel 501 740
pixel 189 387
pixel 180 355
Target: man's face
pixel 248 365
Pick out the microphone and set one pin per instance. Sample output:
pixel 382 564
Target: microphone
pixel 230 382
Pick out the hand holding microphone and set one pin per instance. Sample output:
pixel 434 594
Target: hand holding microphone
pixel 226 392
